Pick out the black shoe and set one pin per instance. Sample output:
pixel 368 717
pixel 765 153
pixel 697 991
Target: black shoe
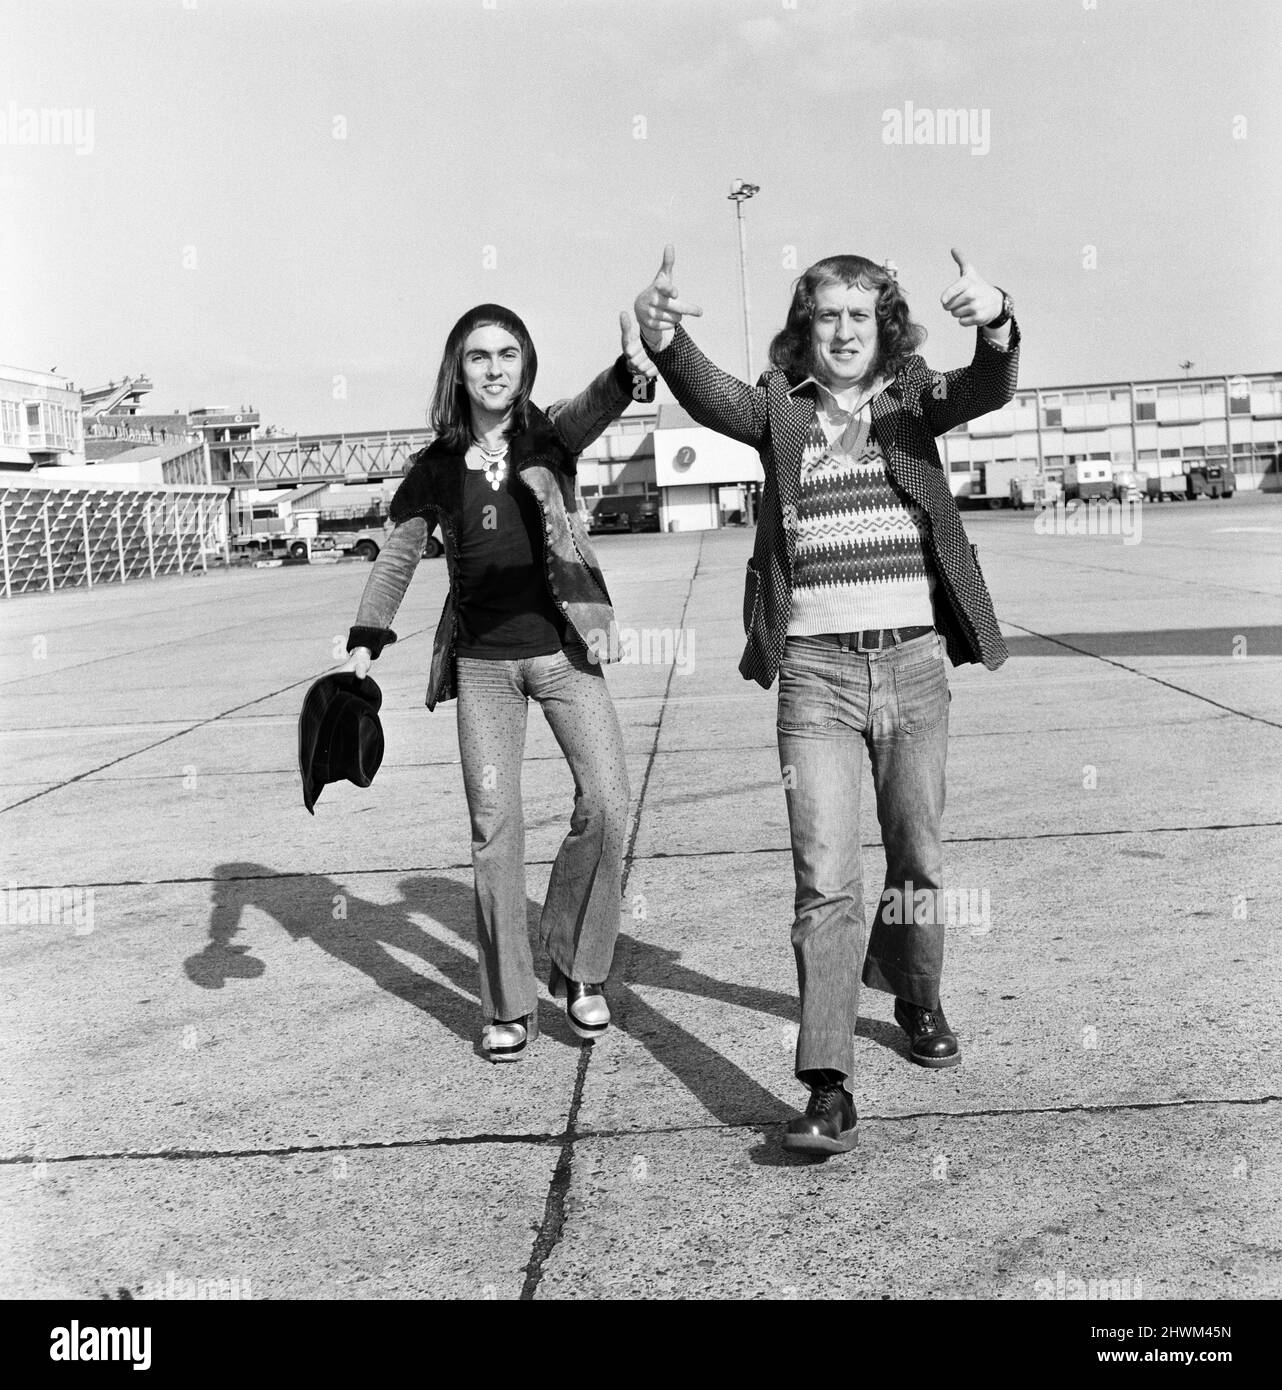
pixel 828 1126
pixel 586 1009
pixel 933 1043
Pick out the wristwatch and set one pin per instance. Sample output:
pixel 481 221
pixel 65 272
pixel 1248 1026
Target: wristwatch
pixel 1008 309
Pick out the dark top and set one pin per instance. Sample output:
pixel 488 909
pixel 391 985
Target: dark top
pixel 506 610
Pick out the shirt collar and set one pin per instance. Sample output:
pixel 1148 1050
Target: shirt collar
pixel 829 402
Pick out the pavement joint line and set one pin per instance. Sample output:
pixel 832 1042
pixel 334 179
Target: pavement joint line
pixel 136 615
pixel 552 1227
pixel 461 865
pixel 680 701
pixel 581 1136
pixel 90 729
pixel 1157 680
pixel 169 738
pixel 1135 574
pixel 764 747
pixel 769 747
pixel 145 650
pixel 1077 731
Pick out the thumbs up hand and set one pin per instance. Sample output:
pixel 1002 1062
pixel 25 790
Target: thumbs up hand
pixel 658 308
pixel 971 300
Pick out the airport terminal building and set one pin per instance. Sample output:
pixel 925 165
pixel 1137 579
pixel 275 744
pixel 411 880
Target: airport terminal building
pixel 660 458
pixel 93 489
pixel 40 420
pixel 1157 427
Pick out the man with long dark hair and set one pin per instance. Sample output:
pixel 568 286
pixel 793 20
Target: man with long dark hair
pixel 861 579
pixel 526 598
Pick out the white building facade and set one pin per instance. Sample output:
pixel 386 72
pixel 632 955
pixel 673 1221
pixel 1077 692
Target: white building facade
pixel 40 420
pixel 1155 427
pixel 1162 427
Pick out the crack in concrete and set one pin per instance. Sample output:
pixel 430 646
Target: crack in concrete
pixel 283 1151
pixel 460 867
pixel 553 1224
pixel 572 1135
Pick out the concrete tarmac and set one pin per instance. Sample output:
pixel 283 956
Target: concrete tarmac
pixel 241 1043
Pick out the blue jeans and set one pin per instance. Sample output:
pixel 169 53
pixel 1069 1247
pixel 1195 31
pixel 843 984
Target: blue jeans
pixel 580 920
pixel 834 701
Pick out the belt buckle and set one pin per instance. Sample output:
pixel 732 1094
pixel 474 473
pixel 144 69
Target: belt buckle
pixel 859 640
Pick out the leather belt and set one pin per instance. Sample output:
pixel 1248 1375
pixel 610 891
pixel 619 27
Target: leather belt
pixel 873 639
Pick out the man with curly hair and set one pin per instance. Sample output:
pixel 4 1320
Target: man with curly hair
pixel 861 580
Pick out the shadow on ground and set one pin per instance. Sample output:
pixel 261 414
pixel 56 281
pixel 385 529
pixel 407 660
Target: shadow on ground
pixel 1172 641
pixel 364 933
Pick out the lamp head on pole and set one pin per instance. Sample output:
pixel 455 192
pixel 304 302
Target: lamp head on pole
pixel 740 191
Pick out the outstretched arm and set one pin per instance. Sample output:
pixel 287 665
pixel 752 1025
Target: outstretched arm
pixel 582 418
pixel 989 381
pixel 712 397
pixel 384 590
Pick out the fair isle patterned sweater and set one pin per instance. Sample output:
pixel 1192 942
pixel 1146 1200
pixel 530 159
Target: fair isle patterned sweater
pixel 861 551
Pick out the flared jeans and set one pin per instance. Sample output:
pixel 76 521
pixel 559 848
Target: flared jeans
pixel 580 920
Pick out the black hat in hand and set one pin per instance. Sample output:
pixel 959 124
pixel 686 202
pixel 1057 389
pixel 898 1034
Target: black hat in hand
pixel 340 738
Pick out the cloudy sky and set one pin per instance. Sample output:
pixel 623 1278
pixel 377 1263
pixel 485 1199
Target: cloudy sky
pixel 286 203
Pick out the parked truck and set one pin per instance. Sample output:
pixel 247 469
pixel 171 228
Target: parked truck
pixel 1088 480
pixel 1169 483
pixel 355 519
pixel 1211 478
pixel 1128 486
pixel 1179 482
pixel 272 540
pixel 366 541
pixel 1036 490
pixel 345 521
pixel 995 479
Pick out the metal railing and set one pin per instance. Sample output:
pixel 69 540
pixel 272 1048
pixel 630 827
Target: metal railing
pixel 270 462
pixel 57 537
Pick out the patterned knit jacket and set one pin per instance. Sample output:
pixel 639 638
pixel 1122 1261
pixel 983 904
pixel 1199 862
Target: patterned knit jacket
pixel 917 406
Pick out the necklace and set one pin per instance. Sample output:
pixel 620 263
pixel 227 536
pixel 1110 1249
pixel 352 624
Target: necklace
pixel 495 463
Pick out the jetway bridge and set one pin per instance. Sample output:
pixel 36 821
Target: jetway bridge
pixel 294 460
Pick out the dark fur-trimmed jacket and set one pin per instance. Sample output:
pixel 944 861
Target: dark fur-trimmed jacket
pixel 541 458
pixel 917 405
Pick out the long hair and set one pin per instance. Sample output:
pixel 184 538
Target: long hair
pixel 898 337
pixel 451 410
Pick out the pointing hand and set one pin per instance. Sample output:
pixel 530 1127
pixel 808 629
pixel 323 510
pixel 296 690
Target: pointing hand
pixel 658 307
